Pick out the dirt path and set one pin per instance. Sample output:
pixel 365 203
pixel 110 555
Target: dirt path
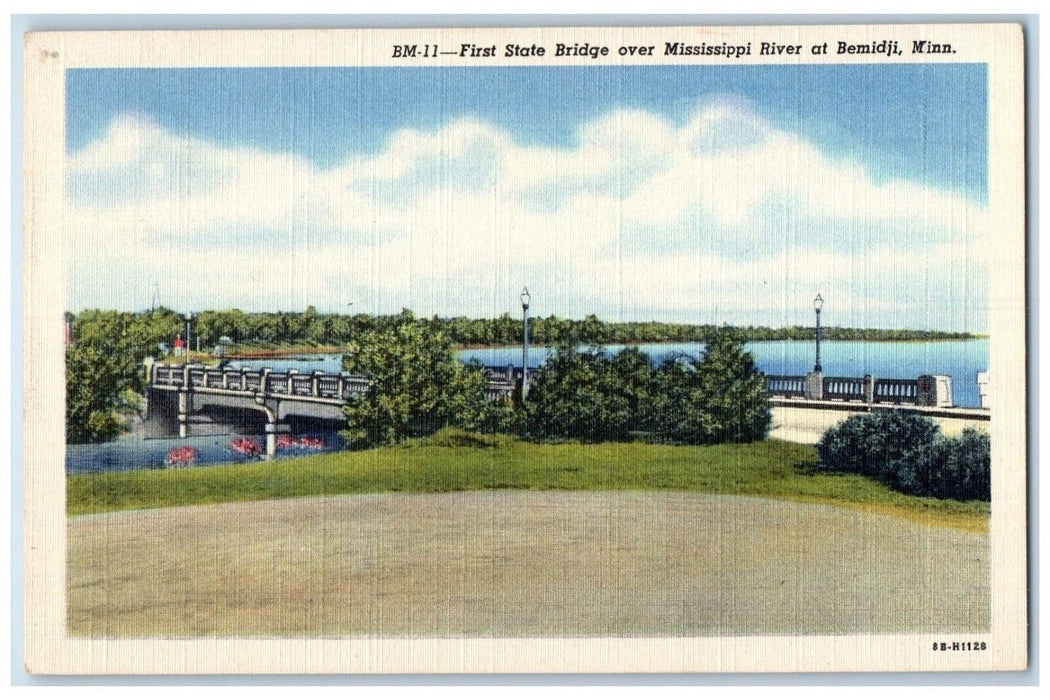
pixel 512 563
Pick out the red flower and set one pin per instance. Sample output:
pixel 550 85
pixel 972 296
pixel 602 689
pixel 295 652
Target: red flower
pixel 181 456
pixel 288 442
pixel 246 446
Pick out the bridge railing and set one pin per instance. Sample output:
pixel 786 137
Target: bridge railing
pixel 845 388
pixel 498 390
pixel 864 389
pixel 897 391
pixel 789 387
pixel 318 384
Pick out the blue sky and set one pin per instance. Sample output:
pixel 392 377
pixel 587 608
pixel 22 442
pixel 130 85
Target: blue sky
pixel 915 121
pixel 785 163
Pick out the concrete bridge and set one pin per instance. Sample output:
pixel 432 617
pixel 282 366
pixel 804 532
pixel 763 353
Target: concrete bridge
pixel 933 390
pixel 181 396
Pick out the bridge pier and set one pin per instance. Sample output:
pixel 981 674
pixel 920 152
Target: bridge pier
pixel 271 440
pixel 184 413
pixel 271 425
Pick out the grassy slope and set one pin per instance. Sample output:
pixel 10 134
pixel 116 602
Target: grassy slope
pixel 771 468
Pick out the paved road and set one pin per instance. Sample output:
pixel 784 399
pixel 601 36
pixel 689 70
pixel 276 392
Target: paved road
pixel 807 425
pixel 513 563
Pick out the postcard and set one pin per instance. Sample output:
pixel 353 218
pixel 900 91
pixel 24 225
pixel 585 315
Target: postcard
pixel 441 350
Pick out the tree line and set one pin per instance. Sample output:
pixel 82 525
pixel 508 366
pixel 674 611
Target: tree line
pixel 316 328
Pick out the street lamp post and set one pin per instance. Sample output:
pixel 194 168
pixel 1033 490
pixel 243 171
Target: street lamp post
pixel 189 320
pixel 815 379
pixel 525 299
pixel 818 303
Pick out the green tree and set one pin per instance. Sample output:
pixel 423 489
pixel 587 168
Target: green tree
pixel 732 392
pixel 93 378
pixel 721 398
pixel 99 366
pixel 104 372
pixel 677 410
pixel 636 377
pixel 416 385
pixel 577 395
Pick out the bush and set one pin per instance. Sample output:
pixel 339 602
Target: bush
pixel 722 398
pixel 416 386
pixel 591 397
pixel 907 452
pixel 732 392
pixel 102 426
pixel 676 418
pixel 893 447
pixel 578 396
pixel 962 468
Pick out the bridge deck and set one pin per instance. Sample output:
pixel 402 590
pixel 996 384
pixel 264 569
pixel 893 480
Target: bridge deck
pixel 320 387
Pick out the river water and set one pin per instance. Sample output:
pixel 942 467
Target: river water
pixel 962 360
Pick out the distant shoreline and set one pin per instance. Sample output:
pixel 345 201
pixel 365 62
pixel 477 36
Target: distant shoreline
pixel 634 343
pixel 267 353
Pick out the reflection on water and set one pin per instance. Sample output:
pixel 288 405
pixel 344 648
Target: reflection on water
pixel 136 453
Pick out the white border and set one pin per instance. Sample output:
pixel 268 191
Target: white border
pixel 48 649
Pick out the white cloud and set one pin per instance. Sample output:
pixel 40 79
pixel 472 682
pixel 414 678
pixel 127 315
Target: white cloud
pixel 721 218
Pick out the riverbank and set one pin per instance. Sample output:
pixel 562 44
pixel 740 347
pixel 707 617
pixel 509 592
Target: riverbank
pixel 253 352
pixel 261 353
pixel 771 468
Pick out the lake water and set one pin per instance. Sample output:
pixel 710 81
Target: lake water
pixel 962 360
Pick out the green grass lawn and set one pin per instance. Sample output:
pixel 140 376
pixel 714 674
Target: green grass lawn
pixel 770 468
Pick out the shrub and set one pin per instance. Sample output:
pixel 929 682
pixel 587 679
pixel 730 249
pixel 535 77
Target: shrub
pixel 732 391
pixel 591 397
pixel 721 398
pixel 962 467
pixel 578 396
pixel 676 418
pixel 416 386
pixel 907 452
pixel 101 426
